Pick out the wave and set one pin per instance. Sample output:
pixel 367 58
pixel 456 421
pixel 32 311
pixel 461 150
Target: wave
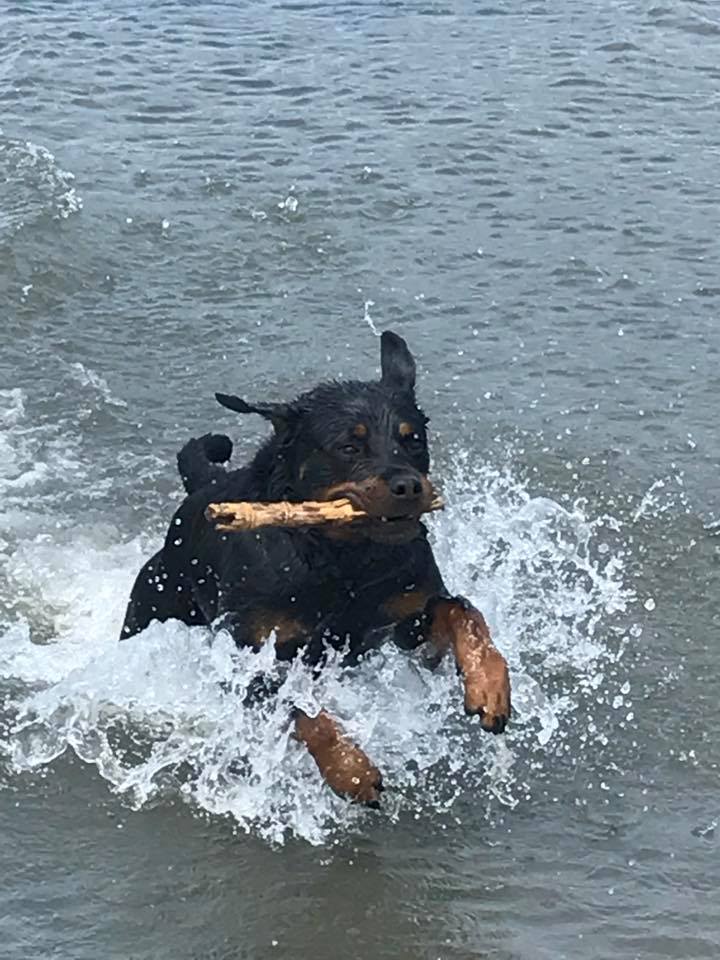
pixel 35 186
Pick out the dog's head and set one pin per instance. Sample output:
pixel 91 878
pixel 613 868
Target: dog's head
pixel 363 440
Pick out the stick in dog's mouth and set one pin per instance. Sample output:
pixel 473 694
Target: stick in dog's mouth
pixel 239 516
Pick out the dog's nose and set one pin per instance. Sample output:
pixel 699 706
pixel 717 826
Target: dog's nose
pixel 406 487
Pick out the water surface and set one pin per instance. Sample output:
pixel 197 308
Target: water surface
pixel 204 196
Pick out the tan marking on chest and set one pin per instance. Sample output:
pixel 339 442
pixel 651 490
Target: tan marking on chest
pixel 407 604
pixel 287 629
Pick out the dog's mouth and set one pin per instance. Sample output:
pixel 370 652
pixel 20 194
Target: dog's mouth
pixel 384 523
pixel 392 529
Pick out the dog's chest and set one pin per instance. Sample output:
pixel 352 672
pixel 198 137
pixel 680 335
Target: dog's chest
pixel 346 603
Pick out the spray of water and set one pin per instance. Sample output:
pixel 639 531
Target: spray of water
pixel 160 715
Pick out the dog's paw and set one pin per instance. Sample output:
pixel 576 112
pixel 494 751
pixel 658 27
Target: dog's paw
pixel 483 668
pixel 346 768
pixel 350 773
pixel 487 690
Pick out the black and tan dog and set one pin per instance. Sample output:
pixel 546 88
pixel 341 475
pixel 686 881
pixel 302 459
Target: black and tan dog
pixel 345 587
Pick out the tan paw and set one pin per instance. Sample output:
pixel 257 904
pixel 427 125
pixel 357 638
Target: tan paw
pixel 487 690
pixel 346 768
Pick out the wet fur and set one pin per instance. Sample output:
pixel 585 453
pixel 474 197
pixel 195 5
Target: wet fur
pixel 338 590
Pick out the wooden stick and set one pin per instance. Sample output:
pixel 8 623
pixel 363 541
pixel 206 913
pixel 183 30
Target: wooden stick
pixel 310 513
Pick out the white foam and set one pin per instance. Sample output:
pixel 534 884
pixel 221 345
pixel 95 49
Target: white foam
pixel 87 377
pixel 161 713
pixel 35 183
pixel 36 460
pixel 52 175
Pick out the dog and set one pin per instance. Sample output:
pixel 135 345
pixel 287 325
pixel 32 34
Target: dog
pixel 325 587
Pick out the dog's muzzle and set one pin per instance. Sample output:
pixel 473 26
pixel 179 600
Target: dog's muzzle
pixel 393 502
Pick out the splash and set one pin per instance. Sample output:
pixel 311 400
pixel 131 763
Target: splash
pixel 33 460
pixel 87 377
pixel 159 716
pixel 368 319
pixel 36 185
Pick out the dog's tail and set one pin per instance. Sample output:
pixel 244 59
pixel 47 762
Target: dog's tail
pixel 199 458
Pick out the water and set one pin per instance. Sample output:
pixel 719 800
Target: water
pixel 205 196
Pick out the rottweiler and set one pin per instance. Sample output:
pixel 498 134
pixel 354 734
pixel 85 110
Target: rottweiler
pixel 325 587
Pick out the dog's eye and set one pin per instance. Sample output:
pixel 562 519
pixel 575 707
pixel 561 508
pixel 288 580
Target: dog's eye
pixel 349 450
pixel 414 442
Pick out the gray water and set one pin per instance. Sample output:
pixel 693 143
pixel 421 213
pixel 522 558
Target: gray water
pixel 203 196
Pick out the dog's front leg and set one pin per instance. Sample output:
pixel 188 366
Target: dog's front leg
pixel 454 623
pixel 345 767
pixel 445 623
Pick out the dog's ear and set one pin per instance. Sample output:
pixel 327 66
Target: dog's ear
pixel 279 414
pixel 397 364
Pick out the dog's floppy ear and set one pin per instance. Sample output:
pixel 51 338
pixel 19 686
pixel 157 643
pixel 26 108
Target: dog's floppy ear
pixel 397 364
pixel 279 414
